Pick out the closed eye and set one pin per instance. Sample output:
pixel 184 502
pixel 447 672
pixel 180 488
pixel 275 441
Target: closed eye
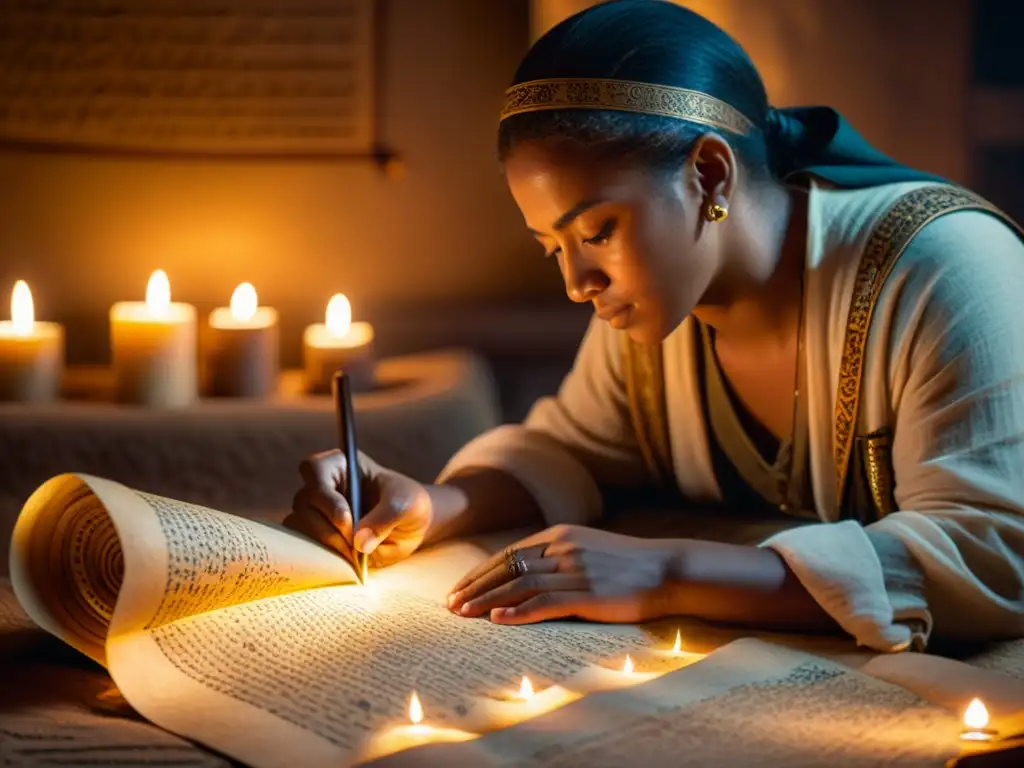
pixel 602 237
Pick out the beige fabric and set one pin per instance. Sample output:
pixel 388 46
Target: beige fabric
pixel 944 368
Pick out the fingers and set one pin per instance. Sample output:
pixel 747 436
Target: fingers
pixel 314 526
pixel 494 572
pixel 543 607
pixel 517 591
pixel 498 559
pixel 324 474
pixel 398 497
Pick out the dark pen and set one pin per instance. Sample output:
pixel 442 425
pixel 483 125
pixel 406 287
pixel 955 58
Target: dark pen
pixel 353 483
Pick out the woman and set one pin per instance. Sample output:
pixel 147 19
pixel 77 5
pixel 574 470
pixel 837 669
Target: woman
pixel 787 323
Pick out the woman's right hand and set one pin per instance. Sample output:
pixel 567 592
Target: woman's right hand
pixel 398 517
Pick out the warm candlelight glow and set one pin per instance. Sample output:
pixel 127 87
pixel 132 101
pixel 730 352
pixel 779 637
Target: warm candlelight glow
pixel 244 303
pixel 976 716
pixel 158 294
pixel 526 689
pixel 976 722
pixel 23 311
pixel 627 668
pixel 339 315
pixel 415 709
pixel 678 647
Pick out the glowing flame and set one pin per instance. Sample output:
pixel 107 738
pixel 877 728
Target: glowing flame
pixel 415 709
pixel 678 647
pixel 627 668
pixel 158 294
pixel 526 689
pixel 976 716
pixel 339 315
pixel 244 302
pixel 23 311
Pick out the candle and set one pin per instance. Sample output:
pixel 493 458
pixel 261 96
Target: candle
pixel 338 344
pixel 976 723
pixel 511 707
pixel 154 348
pixel 31 353
pixel 242 349
pixel 416 733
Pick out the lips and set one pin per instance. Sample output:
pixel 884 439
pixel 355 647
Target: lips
pixel 612 313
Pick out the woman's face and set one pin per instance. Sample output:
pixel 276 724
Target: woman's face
pixel 630 242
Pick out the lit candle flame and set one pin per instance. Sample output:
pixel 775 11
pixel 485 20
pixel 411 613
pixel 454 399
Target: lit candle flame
pixel 976 716
pixel 415 709
pixel 158 294
pixel 244 302
pixel 339 315
pixel 627 668
pixel 526 689
pixel 23 311
pixel 678 647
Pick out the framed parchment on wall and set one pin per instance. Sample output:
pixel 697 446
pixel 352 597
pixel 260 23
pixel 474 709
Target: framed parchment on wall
pixel 189 77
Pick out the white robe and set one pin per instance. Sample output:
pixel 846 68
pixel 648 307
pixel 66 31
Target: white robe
pixel 944 368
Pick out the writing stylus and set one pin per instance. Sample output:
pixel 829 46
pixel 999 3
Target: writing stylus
pixel 353 476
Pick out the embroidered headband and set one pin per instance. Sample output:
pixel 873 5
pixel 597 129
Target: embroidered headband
pixel 624 96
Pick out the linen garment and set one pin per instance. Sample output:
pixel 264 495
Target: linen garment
pixel 943 369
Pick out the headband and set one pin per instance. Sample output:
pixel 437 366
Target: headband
pixel 624 96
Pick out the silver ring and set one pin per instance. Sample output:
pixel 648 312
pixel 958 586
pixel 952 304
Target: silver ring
pixel 515 564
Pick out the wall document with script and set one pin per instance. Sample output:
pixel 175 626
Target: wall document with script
pixel 188 77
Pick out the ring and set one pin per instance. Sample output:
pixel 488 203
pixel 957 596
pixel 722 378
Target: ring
pixel 515 564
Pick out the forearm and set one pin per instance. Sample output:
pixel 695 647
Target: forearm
pixel 737 584
pixel 480 501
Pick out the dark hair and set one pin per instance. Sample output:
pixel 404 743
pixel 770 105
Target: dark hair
pixel 650 41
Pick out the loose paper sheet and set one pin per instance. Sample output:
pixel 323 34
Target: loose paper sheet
pixel 785 707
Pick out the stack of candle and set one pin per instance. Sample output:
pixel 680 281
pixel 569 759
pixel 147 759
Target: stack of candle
pixel 154 349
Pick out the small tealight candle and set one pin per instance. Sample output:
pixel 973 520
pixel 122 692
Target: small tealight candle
pixel 338 344
pixel 514 706
pixel 403 737
pixel 242 347
pixel 976 723
pixel 154 348
pixel 31 353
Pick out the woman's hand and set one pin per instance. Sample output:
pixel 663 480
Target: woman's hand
pixel 400 509
pixel 569 571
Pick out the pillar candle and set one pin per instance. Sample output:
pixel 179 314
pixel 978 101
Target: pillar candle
pixel 154 348
pixel 338 344
pixel 242 347
pixel 31 353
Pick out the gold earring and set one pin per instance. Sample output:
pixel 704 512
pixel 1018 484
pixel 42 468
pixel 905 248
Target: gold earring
pixel 715 212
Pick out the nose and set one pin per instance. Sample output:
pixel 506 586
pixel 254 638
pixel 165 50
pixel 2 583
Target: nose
pixel 584 281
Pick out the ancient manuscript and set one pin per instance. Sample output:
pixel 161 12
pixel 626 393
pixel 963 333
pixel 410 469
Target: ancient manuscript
pixel 261 644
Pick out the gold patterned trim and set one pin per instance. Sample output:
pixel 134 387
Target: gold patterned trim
pixel 624 96
pixel 890 237
pixel 878 466
pixel 645 392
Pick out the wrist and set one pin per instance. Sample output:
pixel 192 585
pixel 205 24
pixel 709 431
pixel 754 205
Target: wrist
pixel 447 503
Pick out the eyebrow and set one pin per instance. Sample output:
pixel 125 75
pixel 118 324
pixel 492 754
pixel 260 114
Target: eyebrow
pixel 567 218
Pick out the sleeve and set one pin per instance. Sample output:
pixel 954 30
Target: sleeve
pixel 951 559
pixel 572 445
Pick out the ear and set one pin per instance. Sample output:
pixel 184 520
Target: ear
pixel 713 167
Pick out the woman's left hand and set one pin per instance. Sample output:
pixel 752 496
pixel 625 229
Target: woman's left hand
pixel 569 571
